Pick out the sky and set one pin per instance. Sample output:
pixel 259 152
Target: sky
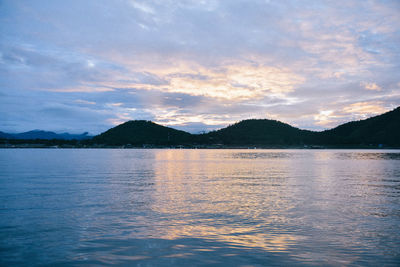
pixel 77 66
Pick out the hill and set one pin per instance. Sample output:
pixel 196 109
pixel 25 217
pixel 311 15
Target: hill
pixel 259 132
pixel 142 132
pixel 44 135
pixel 382 129
pixel 372 132
pixel 4 135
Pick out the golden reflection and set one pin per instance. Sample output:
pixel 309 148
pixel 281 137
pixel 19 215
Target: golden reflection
pixel 208 194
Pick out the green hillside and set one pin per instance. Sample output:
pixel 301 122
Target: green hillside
pixel 383 129
pixel 259 132
pixel 142 132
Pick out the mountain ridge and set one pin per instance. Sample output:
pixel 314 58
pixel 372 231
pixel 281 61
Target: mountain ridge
pixel 45 135
pixel 377 130
pixel 383 129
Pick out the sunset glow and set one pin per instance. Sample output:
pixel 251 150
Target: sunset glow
pixel 196 65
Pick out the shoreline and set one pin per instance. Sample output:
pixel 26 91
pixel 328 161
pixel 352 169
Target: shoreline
pixel 249 147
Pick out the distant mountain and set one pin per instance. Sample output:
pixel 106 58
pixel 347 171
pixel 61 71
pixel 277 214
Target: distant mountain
pixel 4 135
pixel 44 135
pixel 142 132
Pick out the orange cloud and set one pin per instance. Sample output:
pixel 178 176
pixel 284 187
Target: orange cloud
pixel 371 86
pixel 324 118
pixel 365 109
pixel 234 81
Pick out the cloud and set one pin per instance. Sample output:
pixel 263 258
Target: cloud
pixel 142 7
pixel 365 108
pixel 85 102
pixel 190 64
pixel 371 86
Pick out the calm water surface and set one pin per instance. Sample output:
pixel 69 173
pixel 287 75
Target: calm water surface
pixel 199 207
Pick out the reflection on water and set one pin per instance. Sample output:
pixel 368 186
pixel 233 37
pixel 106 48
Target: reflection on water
pixel 263 155
pixel 222 199
pixel 369 155
pixel 180 207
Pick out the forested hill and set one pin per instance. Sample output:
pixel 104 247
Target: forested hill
pixel 142 132
pixel 259 132
pixel 382 129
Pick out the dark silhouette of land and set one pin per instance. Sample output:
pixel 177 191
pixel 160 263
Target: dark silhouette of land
pixel 45 135
pixel 378 131
pixel 143 132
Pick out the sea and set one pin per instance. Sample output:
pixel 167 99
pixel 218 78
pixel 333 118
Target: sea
pixel 200 207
